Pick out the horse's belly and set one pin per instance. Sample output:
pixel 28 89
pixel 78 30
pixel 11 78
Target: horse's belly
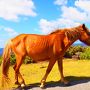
pixel 39 55
pixel 39 50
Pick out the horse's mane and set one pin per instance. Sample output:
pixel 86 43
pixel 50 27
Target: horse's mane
pixel 71 33
pixel 56 31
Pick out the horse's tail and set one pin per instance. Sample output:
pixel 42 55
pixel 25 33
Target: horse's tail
pixel 6 63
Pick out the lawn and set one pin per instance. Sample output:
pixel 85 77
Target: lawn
pixel 33 73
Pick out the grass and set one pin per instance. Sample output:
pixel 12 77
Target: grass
pixel 33 73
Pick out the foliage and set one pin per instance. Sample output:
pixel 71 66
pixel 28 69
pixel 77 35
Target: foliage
pixel 12 59
pixel 85 54
pixel 73 50
pixel 0 60
pixel 28 60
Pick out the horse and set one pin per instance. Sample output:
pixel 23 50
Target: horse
pixel 49 47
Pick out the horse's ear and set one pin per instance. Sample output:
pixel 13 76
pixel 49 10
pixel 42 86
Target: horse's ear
pixel 83 25
pixel 85 28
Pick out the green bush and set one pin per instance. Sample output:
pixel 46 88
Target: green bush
pixel 85 54
pixel 0 60
pixel 72 50
pixel 12 59
pixel 28 60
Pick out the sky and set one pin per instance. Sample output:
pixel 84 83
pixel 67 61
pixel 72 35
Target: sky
pixel 40 16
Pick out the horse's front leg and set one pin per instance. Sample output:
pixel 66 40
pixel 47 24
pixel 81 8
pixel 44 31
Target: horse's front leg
pixel 51 63
pixel 60 67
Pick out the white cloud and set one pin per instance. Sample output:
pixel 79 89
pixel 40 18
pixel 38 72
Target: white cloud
pixel 60 2
pixel 5 34
pixel 13 9
pixel 46 26
pixel 80 12
pixel 73 14
pixel 49 26
pixel 84 5
pixel 70 16
pixel 2 42
pixel 9 31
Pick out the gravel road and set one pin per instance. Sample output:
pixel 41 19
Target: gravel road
pixel 75 85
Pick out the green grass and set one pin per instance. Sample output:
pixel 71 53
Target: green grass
pixel 33 73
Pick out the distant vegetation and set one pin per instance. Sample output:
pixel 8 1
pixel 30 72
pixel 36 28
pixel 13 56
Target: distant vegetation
pixel 13 60
pixel 0 59
pixel 79 52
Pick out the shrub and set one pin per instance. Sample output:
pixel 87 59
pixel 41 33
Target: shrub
pixel 85 54
pixel 73 50
pixel 0 60
pixel 28 60
pixel 12 59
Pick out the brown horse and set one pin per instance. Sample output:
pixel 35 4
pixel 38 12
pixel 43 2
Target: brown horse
pixel 49 47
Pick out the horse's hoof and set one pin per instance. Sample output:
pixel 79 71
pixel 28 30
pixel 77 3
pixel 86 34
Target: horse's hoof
pixel 17 83
pixel 42 85
pixel 66 84
pixel 22 85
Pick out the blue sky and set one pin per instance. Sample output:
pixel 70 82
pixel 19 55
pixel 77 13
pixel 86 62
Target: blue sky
pixel 40 16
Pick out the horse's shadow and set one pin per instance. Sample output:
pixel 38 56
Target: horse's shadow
pixel 73 81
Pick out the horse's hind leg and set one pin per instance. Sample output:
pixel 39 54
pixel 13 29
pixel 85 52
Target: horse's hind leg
pixel 19 60
pixel 16 77
pixel 51 63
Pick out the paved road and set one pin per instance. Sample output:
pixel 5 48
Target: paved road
pixel 75 85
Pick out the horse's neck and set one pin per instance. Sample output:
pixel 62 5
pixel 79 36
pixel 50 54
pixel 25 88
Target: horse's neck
pixel 72 35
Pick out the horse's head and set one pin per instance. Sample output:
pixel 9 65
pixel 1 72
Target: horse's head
pixel 85 34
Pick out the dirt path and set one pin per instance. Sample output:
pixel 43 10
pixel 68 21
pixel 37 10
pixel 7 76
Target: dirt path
pixel 75 85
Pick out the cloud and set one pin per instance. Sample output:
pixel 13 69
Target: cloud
pixel 2 42
pixel 60 2
pixel 13 9
pixel 9 31
pixel 70 16
pixel 46 26
pixel 73 14
pixel 84 5
pixel 49 26
pixel 5 34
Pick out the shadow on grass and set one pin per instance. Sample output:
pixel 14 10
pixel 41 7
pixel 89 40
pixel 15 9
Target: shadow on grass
pixel 73 81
